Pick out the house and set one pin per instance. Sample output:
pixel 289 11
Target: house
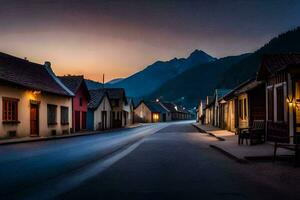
pixel 79 102
pixel 118 102
pixel 209 110
pixel 201 111
pixel 33 101
pixel 251 103
pixel 244 104
pixel 172 114
pixel 150 112
pixel 129 108
pixel 99 111
pixel 281 72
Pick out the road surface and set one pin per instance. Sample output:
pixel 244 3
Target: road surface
pixel 43 169
pixel 174 163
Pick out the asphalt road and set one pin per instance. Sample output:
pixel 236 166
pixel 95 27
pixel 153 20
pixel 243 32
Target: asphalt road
pixel 176 163
pixel 40 170
pixel 161 161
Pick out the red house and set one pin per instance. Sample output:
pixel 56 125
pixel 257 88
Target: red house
pixel 79 102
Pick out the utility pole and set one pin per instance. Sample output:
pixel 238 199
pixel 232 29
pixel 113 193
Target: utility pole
pixel 103 81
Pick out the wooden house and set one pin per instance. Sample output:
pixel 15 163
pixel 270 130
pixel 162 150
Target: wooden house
pixel 242 105
pixel 33 101
pixel 118 102
pixel 172 114
pixel 219 93
pixel 209 110
pixel 79 102
pixel 281 72
pixel 251 103
pixel 201 112
pixel 129 108
pixel 150 112
pixel 99 111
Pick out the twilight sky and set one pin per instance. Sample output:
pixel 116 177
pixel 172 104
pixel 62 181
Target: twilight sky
pixel 118 38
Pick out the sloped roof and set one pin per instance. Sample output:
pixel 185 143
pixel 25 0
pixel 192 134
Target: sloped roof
pixel 116 93
pixel 96 98
pixel 276 62
pixel 248 87
pixel 170 106
pixel 154 106
pixel 222 92
pixel 30 75
pixel 72 82
pixel 232 93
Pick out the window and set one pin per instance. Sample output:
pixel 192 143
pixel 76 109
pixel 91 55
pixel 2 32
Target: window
pixel 270 104
pixel 51 114
pixel 64 115
pixel 245 108
pixel 10 109
pixel 280 103
pixel 80 101
pixel 241 109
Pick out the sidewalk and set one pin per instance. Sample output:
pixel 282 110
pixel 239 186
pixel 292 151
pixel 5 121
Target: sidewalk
pixel 36 139
pixel 228 144
pixel 220 134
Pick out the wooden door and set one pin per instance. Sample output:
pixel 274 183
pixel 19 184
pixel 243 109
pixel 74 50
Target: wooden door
pixel 83 120
pixel 34 120
pixel 77 121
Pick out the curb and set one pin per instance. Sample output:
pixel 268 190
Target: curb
pixel 39 139
pixel 229 155
pixel 203 131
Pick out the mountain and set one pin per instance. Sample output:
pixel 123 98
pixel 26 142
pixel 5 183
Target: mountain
pixel 247 68
pixel 114 81
pixel 152 77
pixel 91 85
pixel 195 83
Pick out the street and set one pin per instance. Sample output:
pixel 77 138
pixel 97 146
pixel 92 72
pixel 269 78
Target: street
pixel 174 163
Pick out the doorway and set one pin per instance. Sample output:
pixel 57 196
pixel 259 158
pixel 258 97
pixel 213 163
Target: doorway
pixel 34 120
pixel 77 121
pixel 104 120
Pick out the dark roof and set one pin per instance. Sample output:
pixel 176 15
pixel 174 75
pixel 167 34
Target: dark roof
pixel 232 93
pixel 248 87
pixel 154 106
pixel 222 92
pixel 30 75
pixel 96 98
pixel 169 106
pixel 276 62
pixel 116 93
pixel 72 82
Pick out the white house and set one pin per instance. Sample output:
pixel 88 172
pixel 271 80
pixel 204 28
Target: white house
pixel 33 102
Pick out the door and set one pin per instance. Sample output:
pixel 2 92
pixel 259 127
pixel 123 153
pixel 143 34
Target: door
pixel 77 121
pixel 104 120
pixel 164 117
pixel 34 120
pixel 83 120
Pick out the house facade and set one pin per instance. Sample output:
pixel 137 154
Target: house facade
pixel 99 111
pixel 150 112
pixel 129 108
pixel 33 101
pixel 118 102
pixel 281 72
pixel 79 102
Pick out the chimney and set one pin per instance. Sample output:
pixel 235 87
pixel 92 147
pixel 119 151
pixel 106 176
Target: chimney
pixel 47 64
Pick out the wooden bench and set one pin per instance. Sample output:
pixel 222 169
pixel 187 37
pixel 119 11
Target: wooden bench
pixel 255 132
